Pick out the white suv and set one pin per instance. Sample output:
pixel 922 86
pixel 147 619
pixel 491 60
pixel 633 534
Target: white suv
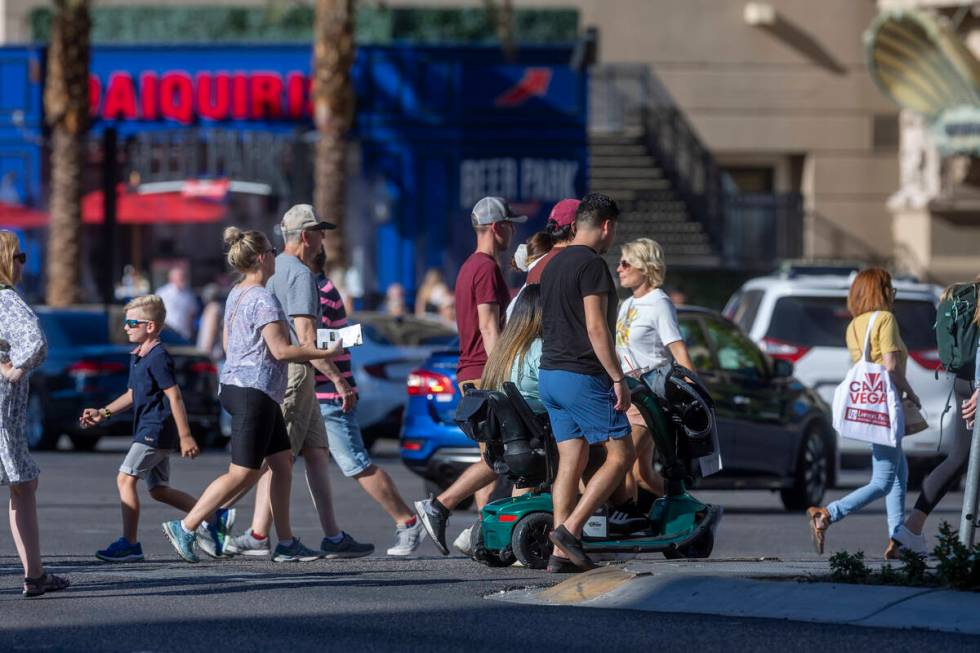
pixel 802 319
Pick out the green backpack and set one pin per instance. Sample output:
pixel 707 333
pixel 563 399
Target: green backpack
pixel 956 330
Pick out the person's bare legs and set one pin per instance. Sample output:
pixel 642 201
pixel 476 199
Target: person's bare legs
pixel 573 456
pixel 475 478
pixel 262 516
pixel 619 458
pixel 23 527
pixel 317 461
pixel 916 521
pixel 217 494
pixel 643 474
pixel 173 497
pixel 129 501
pixel 482 496
pixel 379 486
pixel 280 486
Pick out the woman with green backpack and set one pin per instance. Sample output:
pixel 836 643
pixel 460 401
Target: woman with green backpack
pixel 956 335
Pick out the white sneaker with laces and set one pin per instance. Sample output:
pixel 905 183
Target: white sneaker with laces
pixel 407 539
pixel 247 545
pixel 463 544
pixel 911 541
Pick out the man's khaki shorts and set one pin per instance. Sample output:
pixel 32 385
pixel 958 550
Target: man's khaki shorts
pixel 301 410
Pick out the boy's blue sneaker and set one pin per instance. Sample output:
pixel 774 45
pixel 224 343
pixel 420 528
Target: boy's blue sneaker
pixel 211 540
pixel 226 520
pixel 182 540
pixel 295 552
pixel 121 551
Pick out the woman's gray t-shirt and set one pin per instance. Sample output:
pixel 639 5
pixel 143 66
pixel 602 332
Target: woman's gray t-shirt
pixel 248 362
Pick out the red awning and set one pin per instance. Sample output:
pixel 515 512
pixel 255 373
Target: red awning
pixel 151 208
pixel 17 216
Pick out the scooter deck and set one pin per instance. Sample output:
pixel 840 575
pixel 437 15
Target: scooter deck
pixel 649 542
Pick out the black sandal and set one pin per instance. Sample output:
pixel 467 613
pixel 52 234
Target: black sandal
pixel 46 583
pixel 572 547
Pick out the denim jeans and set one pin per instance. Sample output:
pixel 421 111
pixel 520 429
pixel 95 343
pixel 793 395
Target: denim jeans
pixel 889 477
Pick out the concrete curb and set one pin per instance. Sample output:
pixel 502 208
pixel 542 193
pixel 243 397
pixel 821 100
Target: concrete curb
pixel 768 590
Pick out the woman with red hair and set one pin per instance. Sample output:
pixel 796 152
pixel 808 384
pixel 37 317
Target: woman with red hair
pixel 870 302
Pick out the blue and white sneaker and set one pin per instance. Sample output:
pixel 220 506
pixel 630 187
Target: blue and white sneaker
pixel 121 551
pixel 182 540
pixel 295 552
pixel 226 520
pixel 211 540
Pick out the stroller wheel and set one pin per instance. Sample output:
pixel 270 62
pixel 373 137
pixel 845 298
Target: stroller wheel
pixel 529 540
pixel 700 548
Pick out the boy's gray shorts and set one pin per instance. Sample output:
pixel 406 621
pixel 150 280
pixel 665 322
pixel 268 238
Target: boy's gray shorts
pixel 148 463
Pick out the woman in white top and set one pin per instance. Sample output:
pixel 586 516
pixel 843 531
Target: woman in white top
pixel 648 339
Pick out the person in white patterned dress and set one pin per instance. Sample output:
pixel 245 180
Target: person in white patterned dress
pixel 22 349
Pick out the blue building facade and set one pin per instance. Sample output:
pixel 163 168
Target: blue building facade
pixel 436 128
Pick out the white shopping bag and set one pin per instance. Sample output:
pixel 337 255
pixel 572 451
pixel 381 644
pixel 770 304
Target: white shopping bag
pixel 866 404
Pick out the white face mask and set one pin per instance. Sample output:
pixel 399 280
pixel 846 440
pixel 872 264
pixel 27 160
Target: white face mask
pixel 520 257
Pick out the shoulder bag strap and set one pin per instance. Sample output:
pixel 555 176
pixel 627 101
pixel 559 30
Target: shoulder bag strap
pixel 234 310
pixel 867 337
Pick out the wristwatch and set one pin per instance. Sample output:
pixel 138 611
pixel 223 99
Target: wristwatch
pixel 106 413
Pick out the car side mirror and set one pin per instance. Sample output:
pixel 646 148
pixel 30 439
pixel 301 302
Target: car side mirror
pixel 782 368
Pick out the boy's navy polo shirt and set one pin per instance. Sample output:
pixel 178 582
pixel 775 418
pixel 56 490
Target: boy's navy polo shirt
pixel 149 376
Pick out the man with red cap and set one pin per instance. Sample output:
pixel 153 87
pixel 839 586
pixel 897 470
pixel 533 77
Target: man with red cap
pixel 561 227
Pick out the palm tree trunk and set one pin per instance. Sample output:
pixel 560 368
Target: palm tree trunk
pixel 66 110
pixel 333 113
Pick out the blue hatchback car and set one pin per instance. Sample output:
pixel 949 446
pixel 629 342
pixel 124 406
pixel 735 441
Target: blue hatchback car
pixel 774 432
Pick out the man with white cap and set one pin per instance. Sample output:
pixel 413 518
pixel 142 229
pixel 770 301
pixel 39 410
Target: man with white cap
pixel 481 298
pixel 294 286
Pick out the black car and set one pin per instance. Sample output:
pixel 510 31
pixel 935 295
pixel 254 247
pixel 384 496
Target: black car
pixel 88 366
pixel 774 432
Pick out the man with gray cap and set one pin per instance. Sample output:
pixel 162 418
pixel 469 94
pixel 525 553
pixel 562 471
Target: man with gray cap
pixel 481 298
pixel 294 286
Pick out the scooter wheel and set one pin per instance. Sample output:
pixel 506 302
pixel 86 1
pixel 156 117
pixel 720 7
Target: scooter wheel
pixel 529 541
pixel 700 548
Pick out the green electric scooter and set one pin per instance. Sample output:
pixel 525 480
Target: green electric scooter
pixel 519 444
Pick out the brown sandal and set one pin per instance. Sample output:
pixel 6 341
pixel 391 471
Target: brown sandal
pixel 46 583
pixel 819 523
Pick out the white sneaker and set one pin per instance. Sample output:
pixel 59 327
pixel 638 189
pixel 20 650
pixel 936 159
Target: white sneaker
pixel 911 541
pixel 407 539
pixel 247 545
pixel 463 544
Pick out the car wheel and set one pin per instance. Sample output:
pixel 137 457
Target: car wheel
pixel 83 442
pixel 811 474
pixel 529 541
pixel 39 436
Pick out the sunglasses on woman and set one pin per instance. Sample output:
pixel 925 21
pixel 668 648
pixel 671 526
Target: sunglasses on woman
pixel 132 324
pixel 625 264
pixel 20 257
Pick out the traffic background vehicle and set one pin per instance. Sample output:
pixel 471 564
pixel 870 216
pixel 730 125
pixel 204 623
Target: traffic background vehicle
pixel 88 366
pixel 774 432
pixel 802 318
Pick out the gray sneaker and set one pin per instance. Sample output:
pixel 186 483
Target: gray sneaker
pixel 208 540
pixel 295 552
pixel 348 547
pixel 407 539
pixel 246 545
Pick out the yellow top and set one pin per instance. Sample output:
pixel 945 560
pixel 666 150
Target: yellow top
pixel 884 338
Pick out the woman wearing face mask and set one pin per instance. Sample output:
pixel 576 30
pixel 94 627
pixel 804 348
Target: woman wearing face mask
pixel 527 257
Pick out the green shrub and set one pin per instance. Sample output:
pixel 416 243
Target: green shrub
pixel 848 567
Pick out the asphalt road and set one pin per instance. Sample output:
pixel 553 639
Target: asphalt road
pixel 424 603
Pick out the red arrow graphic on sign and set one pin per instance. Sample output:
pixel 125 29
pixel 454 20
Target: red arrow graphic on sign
pixel 534 84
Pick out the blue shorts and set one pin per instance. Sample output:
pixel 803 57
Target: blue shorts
pixel 344 438
pixel 581 406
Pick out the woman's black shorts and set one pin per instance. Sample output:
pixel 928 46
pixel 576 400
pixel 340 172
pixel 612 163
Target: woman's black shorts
pixel 257 426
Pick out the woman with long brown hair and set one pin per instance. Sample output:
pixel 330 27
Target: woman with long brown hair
pixel 517 354
pixel 869 302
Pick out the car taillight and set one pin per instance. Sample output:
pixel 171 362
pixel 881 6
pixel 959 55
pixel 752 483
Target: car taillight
pixel 412 445
pixel 422 383
pixel 95 368
pixel 786 351
pixel 204 367
pixel 927 358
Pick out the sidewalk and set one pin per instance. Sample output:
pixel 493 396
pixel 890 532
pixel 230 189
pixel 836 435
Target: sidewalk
pixel 769 589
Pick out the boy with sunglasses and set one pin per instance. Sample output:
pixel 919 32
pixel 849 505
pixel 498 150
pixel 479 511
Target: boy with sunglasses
pixel 159 425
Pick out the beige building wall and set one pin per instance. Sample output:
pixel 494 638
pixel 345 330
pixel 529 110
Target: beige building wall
pixel 794 95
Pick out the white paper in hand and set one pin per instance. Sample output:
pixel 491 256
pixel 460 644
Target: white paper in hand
pixel 350 336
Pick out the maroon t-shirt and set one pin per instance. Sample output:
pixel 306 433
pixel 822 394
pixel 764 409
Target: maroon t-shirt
pixel 479 282
pixel 534 276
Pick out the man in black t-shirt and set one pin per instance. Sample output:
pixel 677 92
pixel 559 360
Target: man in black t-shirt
pixel 582 385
